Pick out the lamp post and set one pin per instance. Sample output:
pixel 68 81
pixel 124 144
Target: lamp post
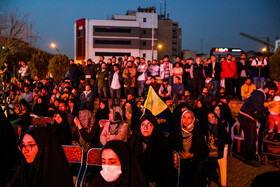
pixel 53 45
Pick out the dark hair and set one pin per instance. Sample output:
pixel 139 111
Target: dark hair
pixel 89 60
pixel 178 77
pixel 71 60
pixel 165 56
pixel 153 77
pixel 229 55
pixel 270 85
pixel 165 80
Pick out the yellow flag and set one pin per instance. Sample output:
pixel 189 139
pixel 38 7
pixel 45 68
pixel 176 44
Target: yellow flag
pixel 154 102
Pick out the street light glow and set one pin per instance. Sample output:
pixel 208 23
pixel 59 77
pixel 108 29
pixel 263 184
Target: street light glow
pixel 264 49
pixel 53 45
pixel 159 46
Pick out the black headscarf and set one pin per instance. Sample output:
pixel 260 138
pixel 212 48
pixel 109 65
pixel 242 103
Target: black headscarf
pixel 132 174
pixel 40 109
pixel 102 113
pixel 8 146
pixel 50 167
pixel 156 161
pixel 61 132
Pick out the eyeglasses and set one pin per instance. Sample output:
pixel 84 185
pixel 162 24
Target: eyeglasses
pixel 27 146
pixel 148 126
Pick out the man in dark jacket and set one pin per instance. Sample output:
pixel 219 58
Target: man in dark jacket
pixel 251 111
pixel 90 73
pixel 243 67
pixel 74 74
pixel 213 72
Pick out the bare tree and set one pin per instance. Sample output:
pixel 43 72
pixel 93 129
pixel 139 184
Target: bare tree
pixel 15 31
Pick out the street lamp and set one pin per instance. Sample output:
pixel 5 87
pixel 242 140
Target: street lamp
pixel 159 46
pixel 53 45
pixel 264 49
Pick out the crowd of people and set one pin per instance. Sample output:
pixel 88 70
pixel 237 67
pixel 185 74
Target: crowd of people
pixel 137 146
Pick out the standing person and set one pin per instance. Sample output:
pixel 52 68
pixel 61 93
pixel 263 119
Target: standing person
pixel 188 85
pixel 177 72
pixel 213 72
pixel 129 75
pixel 90 73
pixel 259 65
pixel 115 85
pixel 44 163
pixel 154 69
pixel 142 76
pixel 166 69
pixel 228 73
pixel 119 167
pixel 24 71
pixel 253 109
pixel 243 67
pixel 197 73
pixel 74 74
pixel 177 91
pixel 102 78
pixel 6 72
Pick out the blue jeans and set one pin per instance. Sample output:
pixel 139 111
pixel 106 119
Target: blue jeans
pixel 258 81
pixel 216 85
pixel 141 85
pixel 116 96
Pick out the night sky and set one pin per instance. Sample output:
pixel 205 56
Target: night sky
pixel 205 23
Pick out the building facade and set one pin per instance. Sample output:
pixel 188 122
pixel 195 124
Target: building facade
pixel 131 34
pixel 169 37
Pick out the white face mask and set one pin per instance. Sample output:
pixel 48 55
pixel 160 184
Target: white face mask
pixel 110 173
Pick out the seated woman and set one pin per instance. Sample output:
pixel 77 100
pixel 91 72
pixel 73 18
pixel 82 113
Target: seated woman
pixel 189 141
pixel 102 112
pixel 86 133
pixel 53 108
pixel 116 129
pixel 119 167
pixel 44 163
pixel 23 112
pixel 217 139
pixel 40 107
pixel 60 130
pixel 153 152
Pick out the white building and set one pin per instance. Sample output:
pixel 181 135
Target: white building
pixel 129 34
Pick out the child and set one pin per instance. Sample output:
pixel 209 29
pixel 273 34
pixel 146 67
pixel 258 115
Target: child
pixel 274 118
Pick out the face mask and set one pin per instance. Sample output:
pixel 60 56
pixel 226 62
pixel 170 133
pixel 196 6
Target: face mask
pixel 110 173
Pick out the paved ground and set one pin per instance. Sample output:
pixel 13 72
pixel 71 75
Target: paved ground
pixel 241 174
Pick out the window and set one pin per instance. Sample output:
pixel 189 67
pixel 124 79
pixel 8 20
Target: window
pixel 144 32
pixel 80 41
pixel 144 55
pixel 111 54
pixel 113 30
pixel 144 43
pixel 80 31
pixel 113 42
pixel 144 19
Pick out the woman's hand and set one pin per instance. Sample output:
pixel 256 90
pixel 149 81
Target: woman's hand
pixel 185 155
pixel 77 122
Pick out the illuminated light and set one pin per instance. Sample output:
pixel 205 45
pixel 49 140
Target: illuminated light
pixel 236 50
pixel 264 49
pixel 159 46
pixel 53 45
